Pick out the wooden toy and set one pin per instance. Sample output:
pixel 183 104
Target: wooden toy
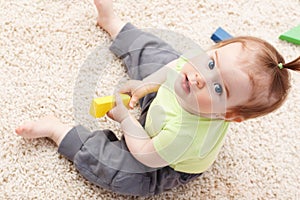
pixel 101 105
pixel 219 35
pixel 293 35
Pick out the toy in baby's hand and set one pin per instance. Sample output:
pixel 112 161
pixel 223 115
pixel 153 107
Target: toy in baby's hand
pixel 101 105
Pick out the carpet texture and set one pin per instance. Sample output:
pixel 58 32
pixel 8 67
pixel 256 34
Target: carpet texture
pixel 48 50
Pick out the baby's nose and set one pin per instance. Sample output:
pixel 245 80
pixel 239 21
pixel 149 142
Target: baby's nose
pixel 198 80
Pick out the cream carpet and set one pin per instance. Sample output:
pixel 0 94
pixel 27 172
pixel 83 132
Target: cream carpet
pixel 49 47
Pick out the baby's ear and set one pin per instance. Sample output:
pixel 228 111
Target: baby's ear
pixel 233 117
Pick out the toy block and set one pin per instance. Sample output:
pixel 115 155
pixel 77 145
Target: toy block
pixel 101 105
pixel 220 35
pixel 292 36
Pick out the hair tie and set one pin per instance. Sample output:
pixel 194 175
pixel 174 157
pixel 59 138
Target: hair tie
pixel 280 65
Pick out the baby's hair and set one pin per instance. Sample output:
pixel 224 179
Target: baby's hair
pixel 268 73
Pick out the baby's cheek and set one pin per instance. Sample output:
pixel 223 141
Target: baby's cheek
pixel 204 102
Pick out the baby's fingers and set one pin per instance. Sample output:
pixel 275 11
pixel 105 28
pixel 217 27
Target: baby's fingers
pixel 125 90
pixel 129 87
pixel 133 101
pixel 119 112
pixel 118 99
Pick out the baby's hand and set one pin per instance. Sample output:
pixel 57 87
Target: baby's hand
pixel 138 89
pixel 135 89
pixel 119 112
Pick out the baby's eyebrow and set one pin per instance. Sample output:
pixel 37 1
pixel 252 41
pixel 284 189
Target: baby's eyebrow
pixel 225 85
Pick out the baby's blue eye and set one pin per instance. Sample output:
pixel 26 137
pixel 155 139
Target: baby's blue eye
pixel 218 88
pixel 211 64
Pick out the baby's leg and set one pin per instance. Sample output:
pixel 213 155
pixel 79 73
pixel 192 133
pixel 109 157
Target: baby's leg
pixel 107 19
pixel 142 52
pixel 49 127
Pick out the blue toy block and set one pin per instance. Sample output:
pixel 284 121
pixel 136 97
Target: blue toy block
pixel 220 35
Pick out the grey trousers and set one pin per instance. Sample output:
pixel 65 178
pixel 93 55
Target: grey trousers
pixel 100 156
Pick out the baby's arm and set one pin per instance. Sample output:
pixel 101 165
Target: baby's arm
pixel 138 142
pixel 138 89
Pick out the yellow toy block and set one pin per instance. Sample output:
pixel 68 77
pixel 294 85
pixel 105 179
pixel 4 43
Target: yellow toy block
pixel 101 105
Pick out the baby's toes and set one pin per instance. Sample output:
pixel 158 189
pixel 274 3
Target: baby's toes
pixel 24 130
pixel 19 130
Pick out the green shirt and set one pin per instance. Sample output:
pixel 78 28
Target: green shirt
pixel 189 143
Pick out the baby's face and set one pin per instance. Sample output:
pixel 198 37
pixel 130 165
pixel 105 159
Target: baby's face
pixel 214 82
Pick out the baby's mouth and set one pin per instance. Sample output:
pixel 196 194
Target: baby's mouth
pixel 185 84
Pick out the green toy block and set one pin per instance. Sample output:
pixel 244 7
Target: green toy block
pixel 293 35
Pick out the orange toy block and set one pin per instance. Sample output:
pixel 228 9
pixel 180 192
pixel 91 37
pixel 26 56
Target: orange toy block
pixel 101 105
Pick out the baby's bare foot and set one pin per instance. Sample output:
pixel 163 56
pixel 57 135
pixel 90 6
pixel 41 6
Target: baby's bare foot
pixel 106 17
pixel 49 127
pixel 105 12
pixel 41 128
